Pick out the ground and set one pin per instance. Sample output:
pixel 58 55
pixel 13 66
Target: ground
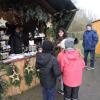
pixel 90 89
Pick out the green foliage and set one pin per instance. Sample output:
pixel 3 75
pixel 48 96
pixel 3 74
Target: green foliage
pixel 62 19
pixel 52 32
pixel 40 15
pixel 2 66
pixel 57 50
pixel 3 84
pixel 78 35
pixel 13 73
pixel 28 73
pixel 3 87
pixel 16 83
pixel 97 55
pixel 9 70
pixel 28 77
pixel 36 13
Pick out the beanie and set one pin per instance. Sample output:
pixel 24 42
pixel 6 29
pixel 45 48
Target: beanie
pixel 69 43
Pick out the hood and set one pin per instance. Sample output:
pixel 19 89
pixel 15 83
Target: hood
pixel 43 58
pixel 72 54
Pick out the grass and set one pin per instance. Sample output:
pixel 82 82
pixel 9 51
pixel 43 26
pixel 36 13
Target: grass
pixel 97 55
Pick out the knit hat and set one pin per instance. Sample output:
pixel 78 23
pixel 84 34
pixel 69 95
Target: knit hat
pixel 47 46
pixel 69 43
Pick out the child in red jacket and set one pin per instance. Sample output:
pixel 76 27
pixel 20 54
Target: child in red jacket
pixel 72 65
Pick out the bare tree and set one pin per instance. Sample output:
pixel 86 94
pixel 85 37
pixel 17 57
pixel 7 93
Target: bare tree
pixel 79 22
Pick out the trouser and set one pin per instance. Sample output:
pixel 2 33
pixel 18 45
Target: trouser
pixel 70 93
pixel 92 57
pixel 49 94
pixel 62 85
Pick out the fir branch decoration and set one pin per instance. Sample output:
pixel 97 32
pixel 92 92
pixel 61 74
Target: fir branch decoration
pixel 13 73
pixel 36 13
pixel 28 72
pixel 3 87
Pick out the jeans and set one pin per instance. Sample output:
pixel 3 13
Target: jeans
pixel 49 94
pixel 92 57
pixel 70 92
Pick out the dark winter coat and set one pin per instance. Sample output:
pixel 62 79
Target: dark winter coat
pixel 49 69
pixel 90 39
pixel 15 42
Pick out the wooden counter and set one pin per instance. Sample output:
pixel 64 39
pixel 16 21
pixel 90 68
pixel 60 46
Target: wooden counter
pixel 20 63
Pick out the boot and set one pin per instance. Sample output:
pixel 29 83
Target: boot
pixel 74 99
pixel 66 99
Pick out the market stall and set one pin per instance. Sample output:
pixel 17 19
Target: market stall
pixel 17 70
pixel 27 27
pixel 20 73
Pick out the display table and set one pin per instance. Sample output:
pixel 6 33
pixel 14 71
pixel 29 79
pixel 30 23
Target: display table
pixel 20 63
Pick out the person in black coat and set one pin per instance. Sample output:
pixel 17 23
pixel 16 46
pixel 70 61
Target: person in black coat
pixel 15 41
pixel 49 70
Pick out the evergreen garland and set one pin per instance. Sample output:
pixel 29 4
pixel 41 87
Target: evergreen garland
pixel 13 73
pixel 37 13
pixel 3 86
pixel 28 73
